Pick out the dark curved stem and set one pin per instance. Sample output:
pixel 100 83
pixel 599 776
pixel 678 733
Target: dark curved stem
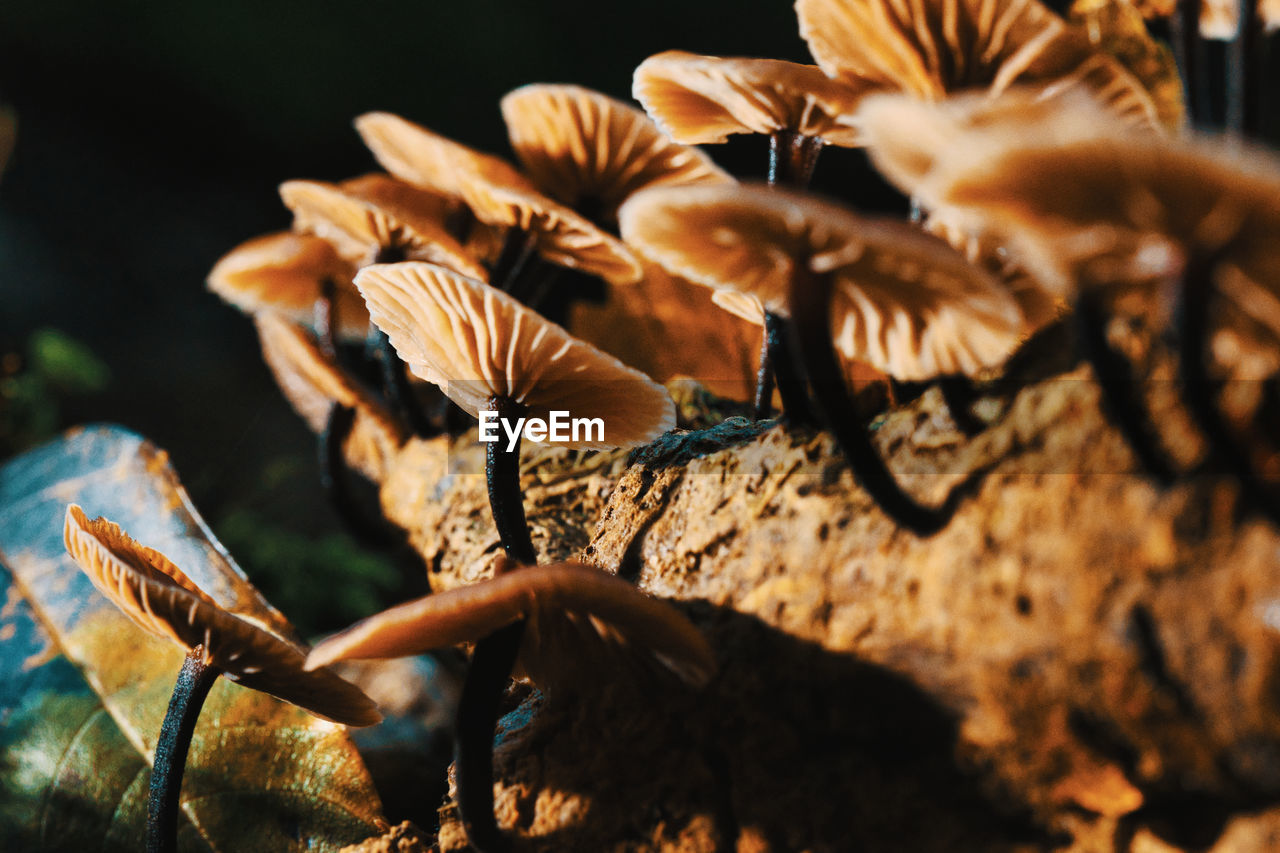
pixel 325 317
pixel 487 677
pixel 811 312
pixel 958 393
pixel 502 470
pixel 517 248
pixel 764 380
pixel 1195 294
pixel 194 681
pixel 396 388
pixel 788 370
pixel 792 159
pixel 1121 397
pixel 335 477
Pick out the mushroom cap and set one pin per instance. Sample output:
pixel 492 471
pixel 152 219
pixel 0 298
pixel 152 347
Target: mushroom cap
pixel 703 99
pixel 905 302
pixel 937 47
pixel 313 385
pixel 284 273
pixel 163 601
pixel 476 342
pixel 374 212
pixel 563 237
pixel 576 614
pixel 741 305
pixel 414 154
pixel 582 146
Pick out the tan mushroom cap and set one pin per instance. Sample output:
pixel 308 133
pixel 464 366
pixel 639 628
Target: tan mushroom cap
pixel 313 385
pixel 905 302
pixel 582 146
pixel 419 156
pixel 705 99
pixel 163 601
pixel 741 305
pixel 938 47
pixel 476 342
pixel 577 615
pixel 285 273
pixel 375 212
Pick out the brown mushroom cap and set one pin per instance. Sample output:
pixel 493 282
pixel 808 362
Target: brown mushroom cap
pixel 313 385
pixel 741 305
pixel 574 611
pixel 704 99
pixel 938 47
pixel 163 601
pixel 371 213
pixel 414 154
pixel 905 302
pixel 581 146
pixel 476 342
pixel 284 273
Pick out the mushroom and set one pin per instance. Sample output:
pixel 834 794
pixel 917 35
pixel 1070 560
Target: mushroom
pixel 591 152
pixel 905 302
pixel 1189 224
pixel 489 353
pixel 704 99
pixel 299 276
pixel 938 47
pixel 572 624
pixel 164 602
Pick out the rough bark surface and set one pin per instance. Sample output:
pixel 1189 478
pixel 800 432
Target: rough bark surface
pixel 1078 661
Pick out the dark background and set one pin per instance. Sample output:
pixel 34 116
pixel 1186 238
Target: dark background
pixel 151 139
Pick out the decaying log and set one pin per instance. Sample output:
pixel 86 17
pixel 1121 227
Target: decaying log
pixel 1078 661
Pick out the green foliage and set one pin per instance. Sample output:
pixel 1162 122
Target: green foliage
pixel 55 365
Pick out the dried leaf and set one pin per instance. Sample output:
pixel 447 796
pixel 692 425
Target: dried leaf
pixel 261 774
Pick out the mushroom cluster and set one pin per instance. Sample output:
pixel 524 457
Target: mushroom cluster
pixel 1050 185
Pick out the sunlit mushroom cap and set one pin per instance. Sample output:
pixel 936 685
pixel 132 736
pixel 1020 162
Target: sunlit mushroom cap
pixel 372 213
pixel 905 302
pixel 937 47
pixel 163 601
pixel 419 156
pixel 476 342
pixel 742 305
pixel 584 148
pixel 285 273
pixel 703 99
pixel 313 385
pixel 580 620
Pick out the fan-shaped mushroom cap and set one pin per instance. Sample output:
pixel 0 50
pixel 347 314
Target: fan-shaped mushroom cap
pixel 936 47
pixel 701 99
pixel 375 212
pixel 284 273
pixel 580 146
pixel 313 385
pixel 576 614
pixel 476 342
pixel 905 302
pixel 163 601
pixel 741 305
pixel 1269 15
pixel 415 154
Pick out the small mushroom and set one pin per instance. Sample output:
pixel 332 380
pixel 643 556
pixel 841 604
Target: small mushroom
pixel 299 276
pixel 574 625
pixel 902 301
pixel 704 99
pixel 164 602
pixel 488 352
pixel 591 152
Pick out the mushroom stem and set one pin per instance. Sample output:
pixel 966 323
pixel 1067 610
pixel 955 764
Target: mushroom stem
pixel 517 248
pixel 491 665
pixel 1183 23
pixel 395 385
pixel 958 393
pixel 788 371
pixel 764 381
pixel 811 311
pixel 334 479
pixel 502 470
pixel 189 692
pixel 792 158
pixel 323 312
pixel 1121 400
pixel 1198 389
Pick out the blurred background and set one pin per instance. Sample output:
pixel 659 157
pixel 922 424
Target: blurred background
pixel 151 139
